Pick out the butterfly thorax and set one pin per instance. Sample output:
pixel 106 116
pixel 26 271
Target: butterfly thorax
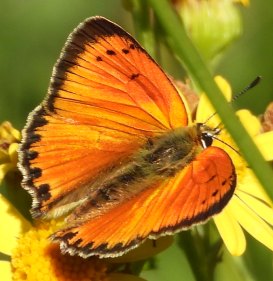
pixel 170 153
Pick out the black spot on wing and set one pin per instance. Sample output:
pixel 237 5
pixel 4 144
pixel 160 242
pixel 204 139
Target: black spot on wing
pixel 99 58
pixel 30 136
pixel 66 237
pixel 110 52
pixel 103 249
pixel 88 250
pixel 215 193
pixel 134 76
pixel 125 51
pixel 43 192
pixel 35 173
pixel 30 155
pixel 37 119
pixel 212 178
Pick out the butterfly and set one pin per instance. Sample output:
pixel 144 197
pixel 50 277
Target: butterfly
pixel 111 148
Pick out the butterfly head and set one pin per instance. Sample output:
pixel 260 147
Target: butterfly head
pixel 207 134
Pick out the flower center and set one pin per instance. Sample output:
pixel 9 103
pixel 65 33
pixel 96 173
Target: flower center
pixel 35 258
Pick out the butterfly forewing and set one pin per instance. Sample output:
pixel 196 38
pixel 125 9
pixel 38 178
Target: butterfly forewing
pixel 107 96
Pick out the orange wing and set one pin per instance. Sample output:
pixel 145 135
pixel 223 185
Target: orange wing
pixel 107 98
pixel 199 191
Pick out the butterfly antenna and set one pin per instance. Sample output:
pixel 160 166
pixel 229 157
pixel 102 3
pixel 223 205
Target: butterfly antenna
pixel 247 88
pixel 215 138
pixel 206 121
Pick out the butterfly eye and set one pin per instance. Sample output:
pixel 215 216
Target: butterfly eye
pixel 206 139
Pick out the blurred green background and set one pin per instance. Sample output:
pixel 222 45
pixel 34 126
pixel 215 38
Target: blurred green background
pixel 32 34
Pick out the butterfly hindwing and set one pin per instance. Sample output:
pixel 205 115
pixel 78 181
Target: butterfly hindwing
pixel 193 195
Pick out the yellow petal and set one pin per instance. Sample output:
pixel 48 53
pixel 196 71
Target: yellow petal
pixel 123 277
pixel 261 208
pixel 251 185
pixel 264 143
pixel 8 132
pixel 5 269
pixel 252 223
pixel 224 86
pixel 4 156
pixel 230 231
pixel 16 134
pixel 205 109
pixel 13 148
pixel 250 122
pixel 4 168
pixel 15 224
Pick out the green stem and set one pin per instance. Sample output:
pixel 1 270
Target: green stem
pixel 200 257
pixel 188 55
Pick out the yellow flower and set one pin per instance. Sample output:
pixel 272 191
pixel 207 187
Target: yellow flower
pixel 33 257
pixel 9 139
pixel 250 208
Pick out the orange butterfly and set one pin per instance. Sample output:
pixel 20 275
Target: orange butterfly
pixel 110 145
